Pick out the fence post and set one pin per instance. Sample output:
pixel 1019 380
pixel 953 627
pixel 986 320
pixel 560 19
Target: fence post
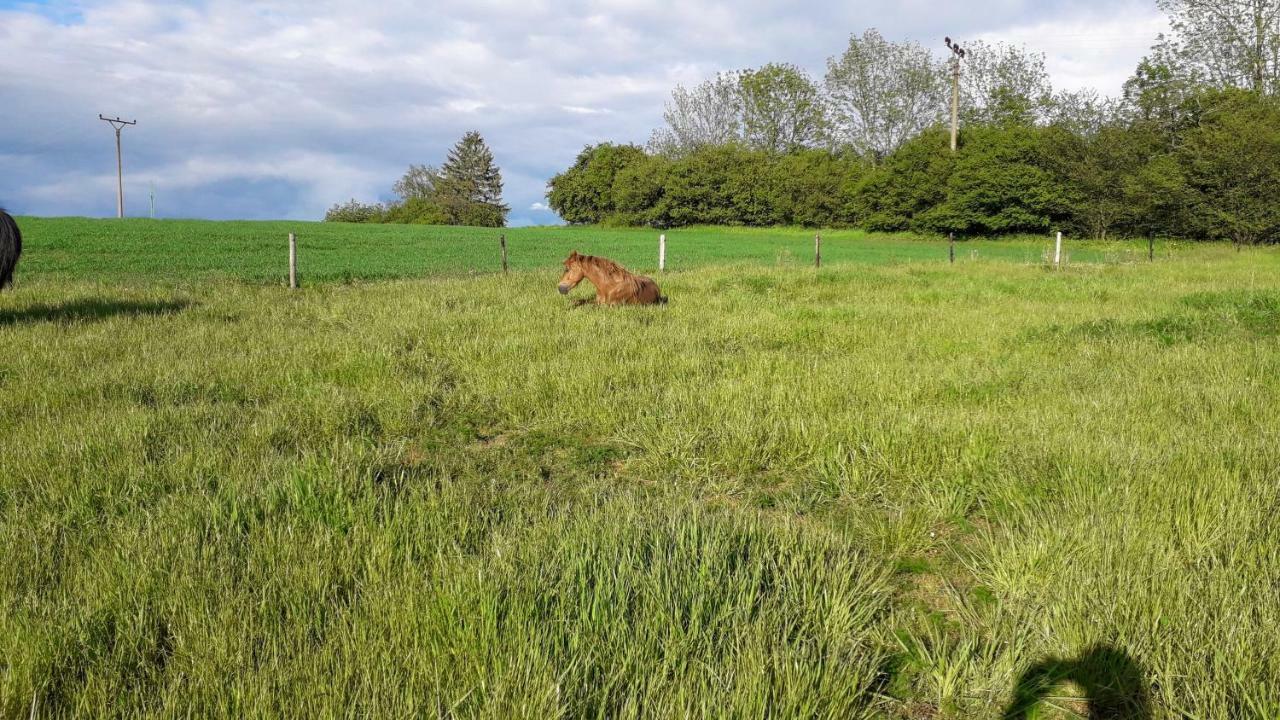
pixel 817 250
pixel 1057 252
pixel 1151 248
pixel 662 252
pixel 502 241
pixel 293 262
pixel 951 247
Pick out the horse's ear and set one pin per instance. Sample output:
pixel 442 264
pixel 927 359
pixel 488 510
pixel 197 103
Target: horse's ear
pixel 574 255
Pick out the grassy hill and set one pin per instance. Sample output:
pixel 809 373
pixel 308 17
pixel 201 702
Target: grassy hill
pixel 894 488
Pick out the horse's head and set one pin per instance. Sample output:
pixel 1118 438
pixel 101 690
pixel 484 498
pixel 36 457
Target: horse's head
pixel 573 273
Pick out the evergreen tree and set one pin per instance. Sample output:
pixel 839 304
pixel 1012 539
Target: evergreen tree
pixel 469 189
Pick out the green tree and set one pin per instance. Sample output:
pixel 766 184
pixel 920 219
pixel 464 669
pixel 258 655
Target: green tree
pixel 419 181
pixel 639 193
pixel 1004 84
pixel 417 211
pixel 1111 155
pixel 910 182
pixel 1232 167
pixel 469 189
pixel 1235 43
pixel 1159 198
pixel 882 93
pixel 815 188
pixel 417 198
pixel 584 193
pixel 1096 167
pixel 1164 91
pixel 1082 112
pixel 708 115
pixel 1003 181
pixel 723 185
pixel 782 110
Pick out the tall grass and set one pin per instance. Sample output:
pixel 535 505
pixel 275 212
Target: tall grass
pixel 878 490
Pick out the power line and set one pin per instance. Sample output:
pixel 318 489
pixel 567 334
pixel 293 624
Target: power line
pixel 119 125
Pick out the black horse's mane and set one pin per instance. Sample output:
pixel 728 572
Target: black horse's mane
pixel 10 247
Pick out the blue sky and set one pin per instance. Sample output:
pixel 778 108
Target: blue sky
pixel 278 109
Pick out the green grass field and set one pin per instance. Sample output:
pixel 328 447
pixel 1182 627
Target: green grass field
pixel 891 488
pixel 146 250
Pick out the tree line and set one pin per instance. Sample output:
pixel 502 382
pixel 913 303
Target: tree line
pixel 465 190
pixel 1191 148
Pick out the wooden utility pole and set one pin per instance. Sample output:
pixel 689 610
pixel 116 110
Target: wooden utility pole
pixel 118 124
pixel 957 54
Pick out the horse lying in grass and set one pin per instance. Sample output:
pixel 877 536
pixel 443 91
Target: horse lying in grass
pixel 614 284
pixel 10 248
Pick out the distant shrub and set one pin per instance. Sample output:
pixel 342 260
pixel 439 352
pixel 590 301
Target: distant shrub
pixel 815 188
pixel 909 182
pixel 354 211
pixel 416 211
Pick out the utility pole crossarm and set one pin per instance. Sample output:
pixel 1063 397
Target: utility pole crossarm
pixel 118 125
pixel 116 120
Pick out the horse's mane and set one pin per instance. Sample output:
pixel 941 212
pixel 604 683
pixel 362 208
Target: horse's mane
pixel 607 266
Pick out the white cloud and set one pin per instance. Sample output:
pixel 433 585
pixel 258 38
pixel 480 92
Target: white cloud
pixel 284 107
pixel 1095 49
pixel 577 110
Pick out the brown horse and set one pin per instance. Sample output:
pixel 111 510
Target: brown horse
pixel 614 284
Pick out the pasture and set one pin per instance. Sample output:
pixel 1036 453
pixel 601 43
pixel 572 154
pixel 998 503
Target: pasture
pixel 146 251
pixel 889 488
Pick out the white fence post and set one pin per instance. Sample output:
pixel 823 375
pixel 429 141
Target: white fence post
pixel 662 252
pixel 1057 252
pixel 293 262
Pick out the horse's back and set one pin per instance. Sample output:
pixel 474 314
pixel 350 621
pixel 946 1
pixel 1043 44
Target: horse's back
pixel 647 292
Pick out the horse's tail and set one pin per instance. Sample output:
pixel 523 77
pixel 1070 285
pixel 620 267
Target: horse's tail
pixel 10 248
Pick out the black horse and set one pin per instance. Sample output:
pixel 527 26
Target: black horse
pixel 10 248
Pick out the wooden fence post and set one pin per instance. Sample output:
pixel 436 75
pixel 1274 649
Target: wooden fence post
pixel 1151 248
pixel 662 252
pixel 1057 252
pixel 817 250
pixel 951 247
pixel 502 241
pixel 293 262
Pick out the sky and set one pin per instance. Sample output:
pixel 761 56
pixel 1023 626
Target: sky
pixel 281 108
